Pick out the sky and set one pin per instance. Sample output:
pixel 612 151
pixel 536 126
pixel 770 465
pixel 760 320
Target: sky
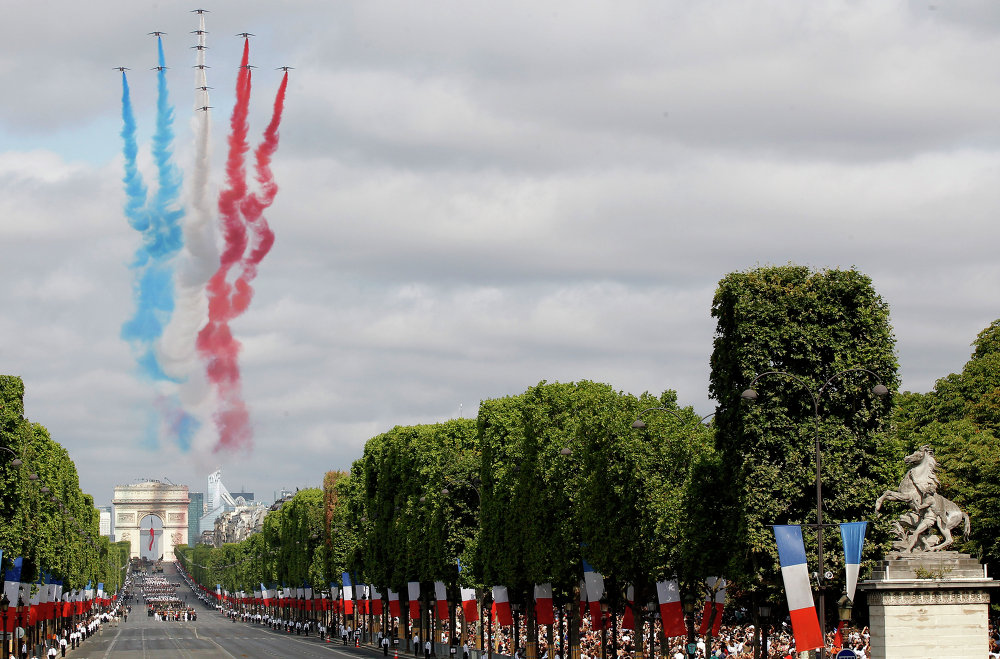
pixel 478 196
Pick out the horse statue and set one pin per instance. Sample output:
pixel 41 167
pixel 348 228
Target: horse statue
pixel 928 509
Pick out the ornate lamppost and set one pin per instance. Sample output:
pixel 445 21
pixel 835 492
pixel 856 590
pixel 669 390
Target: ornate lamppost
pixel 879 390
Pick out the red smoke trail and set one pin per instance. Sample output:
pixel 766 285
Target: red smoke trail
pixel 254 205
pixel 215 341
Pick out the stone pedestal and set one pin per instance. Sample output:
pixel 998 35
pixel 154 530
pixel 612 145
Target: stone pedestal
pixel 931 604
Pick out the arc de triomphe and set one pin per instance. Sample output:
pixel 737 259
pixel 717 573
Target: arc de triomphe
pixel 168 502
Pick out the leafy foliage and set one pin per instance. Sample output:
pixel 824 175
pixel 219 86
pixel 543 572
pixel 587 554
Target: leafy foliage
pixel 60 537
pixel 814 326
pixel 960 419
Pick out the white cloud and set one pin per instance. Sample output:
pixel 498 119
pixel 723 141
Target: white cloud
pixel 476 197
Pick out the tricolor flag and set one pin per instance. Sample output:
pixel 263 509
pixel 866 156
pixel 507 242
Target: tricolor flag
pixel 718 603
pixel 853 535
pixel 12 581
pixel 628 620
pixel 544 613
pixel 671 610
pixel 413 590
pixel 348 593
pixel 393 603
pixel 595 590
pixel 376 599
pixel 795 573
pixel 501 602
pixel 470 608
pixel 441 594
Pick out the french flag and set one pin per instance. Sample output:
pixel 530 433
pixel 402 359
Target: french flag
pixel 795 574
pixel 718 602
pixel 501 602
pixel 671 610
pixel 595 590
pixel 376 599
pixel 441 595
pixel 544 613
pixel 393 603
pixel 413 588
pixel 348 592
pixel 470 608
pixel 628 620
pixel 853 535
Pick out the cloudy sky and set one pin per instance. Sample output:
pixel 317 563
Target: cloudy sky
pixel 476 196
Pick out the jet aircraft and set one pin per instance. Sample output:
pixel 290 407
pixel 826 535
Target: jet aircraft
pixel 200 47
pixel 200 11
pixel 204 108
pixel 159 68
pixel 284 68
pixel 123 69
pixel 157 33
pixel 245 34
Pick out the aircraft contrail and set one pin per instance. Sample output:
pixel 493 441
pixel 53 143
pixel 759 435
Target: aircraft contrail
pixel 217 346
pixel 199 260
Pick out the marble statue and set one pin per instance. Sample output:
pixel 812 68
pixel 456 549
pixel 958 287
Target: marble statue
pixel 928 510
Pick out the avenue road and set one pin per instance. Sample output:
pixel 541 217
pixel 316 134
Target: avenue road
pixel 212 635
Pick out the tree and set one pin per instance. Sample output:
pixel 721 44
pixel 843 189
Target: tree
pixel 960 419
pixel 812 325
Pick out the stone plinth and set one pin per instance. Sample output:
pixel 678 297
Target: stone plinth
pixel 932 604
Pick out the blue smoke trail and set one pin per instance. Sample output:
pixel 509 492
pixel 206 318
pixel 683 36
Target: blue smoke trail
pixel 159 222
pixel 158 219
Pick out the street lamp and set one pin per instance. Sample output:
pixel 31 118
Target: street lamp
pixel 688 605
pixel 16 462
pixel 844 606
pixel 763 616
pixel 879 390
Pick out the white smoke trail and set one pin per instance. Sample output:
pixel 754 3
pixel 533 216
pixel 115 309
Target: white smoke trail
pixel 199 261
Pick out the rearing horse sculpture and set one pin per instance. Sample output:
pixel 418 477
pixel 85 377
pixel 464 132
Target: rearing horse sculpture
pixel 927 508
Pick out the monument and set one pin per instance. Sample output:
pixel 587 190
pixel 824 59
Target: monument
pixel 152 517
pixel 925 600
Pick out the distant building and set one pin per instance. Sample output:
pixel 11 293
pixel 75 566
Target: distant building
pixel 196 510
pixel 107 528
pixel 247 496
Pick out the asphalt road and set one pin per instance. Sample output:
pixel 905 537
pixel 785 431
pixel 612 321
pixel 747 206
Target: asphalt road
pixel 212 635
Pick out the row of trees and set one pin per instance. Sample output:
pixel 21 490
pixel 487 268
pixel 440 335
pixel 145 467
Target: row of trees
pixel 543 480
pixel 47 519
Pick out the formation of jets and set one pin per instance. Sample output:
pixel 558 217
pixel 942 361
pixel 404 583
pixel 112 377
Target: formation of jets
pixel 245 35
